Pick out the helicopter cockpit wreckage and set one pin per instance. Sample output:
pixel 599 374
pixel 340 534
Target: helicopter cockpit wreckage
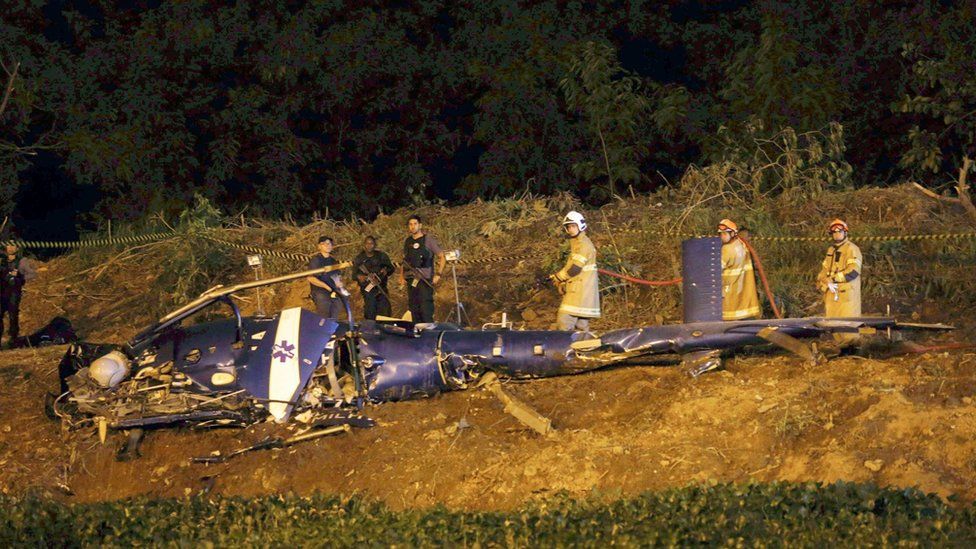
pixel 297 366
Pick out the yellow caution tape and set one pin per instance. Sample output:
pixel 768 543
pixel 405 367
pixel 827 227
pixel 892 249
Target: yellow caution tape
pixel 138 239
pixel 825 238
pixel 91 243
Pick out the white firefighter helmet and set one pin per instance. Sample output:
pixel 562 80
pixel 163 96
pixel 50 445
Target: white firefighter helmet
pixel 110 369
pixel 577 218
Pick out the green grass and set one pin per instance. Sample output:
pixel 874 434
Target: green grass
pixel 727 515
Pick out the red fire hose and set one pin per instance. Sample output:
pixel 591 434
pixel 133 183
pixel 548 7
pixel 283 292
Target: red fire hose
pixel 762 275
pixel 671 282
pixel 674 281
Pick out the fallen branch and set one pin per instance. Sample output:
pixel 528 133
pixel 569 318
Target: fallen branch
pixel 962 189
pixel 934 195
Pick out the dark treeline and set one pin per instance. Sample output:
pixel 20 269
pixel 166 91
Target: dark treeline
pixel 290 107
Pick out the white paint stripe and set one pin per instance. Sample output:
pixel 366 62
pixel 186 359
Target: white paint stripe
pixel 285 375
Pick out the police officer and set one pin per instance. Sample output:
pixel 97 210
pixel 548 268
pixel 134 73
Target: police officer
pixel 372 269
pixel 326 287
pixel 840 279
pixel 740 299
pixel 578 279
pixel 419 272
pixel 15 271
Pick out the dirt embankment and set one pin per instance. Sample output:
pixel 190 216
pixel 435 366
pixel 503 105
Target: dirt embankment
pixel 905 421
pixel 902 421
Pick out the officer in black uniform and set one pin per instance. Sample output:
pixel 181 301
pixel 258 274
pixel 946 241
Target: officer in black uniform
pixel 15 271
pixel 418 271
pixel 373 268
pixel 326 287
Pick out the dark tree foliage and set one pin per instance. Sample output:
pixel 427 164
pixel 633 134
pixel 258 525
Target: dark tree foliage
pixel 302 107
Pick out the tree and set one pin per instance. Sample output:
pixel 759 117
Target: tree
pixel 610 102
pixel 30 89
pixel 942 96
pixel 774 83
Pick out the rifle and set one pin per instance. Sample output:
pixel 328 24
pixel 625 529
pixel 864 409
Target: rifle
pixel 374 279
pixel 418 275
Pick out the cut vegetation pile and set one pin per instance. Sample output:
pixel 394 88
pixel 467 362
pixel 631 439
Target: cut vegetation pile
pixel 109 293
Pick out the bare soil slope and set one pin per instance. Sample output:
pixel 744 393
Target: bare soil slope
pixel 902 420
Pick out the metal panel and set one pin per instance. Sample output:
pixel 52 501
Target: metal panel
pixel 401 366
pixel 285 358
pixel 701 270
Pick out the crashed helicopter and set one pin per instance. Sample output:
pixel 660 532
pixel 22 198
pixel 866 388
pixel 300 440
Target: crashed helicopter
pixel 241 370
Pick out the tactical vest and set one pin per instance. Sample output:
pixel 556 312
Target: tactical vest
pixel 416 254
pixel 373 265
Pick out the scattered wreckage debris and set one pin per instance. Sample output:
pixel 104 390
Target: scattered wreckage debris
pixel 791 344
pixel 272 442
pixel 130 450
pixel 518 409
pixel 297 365
pixel 57 331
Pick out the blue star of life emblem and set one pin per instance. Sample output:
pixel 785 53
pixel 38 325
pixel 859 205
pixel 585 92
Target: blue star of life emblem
pixel 283 350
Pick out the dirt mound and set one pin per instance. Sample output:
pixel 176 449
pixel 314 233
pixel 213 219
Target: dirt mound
pixel 903 421
pixel 900 421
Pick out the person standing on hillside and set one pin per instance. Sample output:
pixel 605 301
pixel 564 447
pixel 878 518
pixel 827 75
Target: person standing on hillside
pixel 840 279
pixel 15 271
pixel 372 269
pixel 326 288
pixel 420 273
pixel 578 280
pixel 740 299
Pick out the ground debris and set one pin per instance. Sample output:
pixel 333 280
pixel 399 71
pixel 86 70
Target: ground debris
pixel 874 464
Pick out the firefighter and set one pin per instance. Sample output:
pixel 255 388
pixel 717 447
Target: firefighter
pixel 579 280
pixel 740 299
pixel 327 288
pixel 423 263
pixel 15 271
pixel 840 279
pixel 372 269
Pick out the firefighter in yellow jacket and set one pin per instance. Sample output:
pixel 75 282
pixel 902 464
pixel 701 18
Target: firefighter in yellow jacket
pixel 578 280
pixel 840 278
pixel 740 300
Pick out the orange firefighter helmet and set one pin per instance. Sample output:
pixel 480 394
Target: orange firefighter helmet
pixel 728 225
pixel 838 223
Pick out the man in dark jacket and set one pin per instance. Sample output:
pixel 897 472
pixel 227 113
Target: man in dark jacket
pixel 373 268
pixel 326 287
pixel 15 271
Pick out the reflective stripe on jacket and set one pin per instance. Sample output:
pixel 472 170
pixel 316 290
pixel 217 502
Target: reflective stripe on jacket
pixel 739 297
pixel 582 297
pixel 840 263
